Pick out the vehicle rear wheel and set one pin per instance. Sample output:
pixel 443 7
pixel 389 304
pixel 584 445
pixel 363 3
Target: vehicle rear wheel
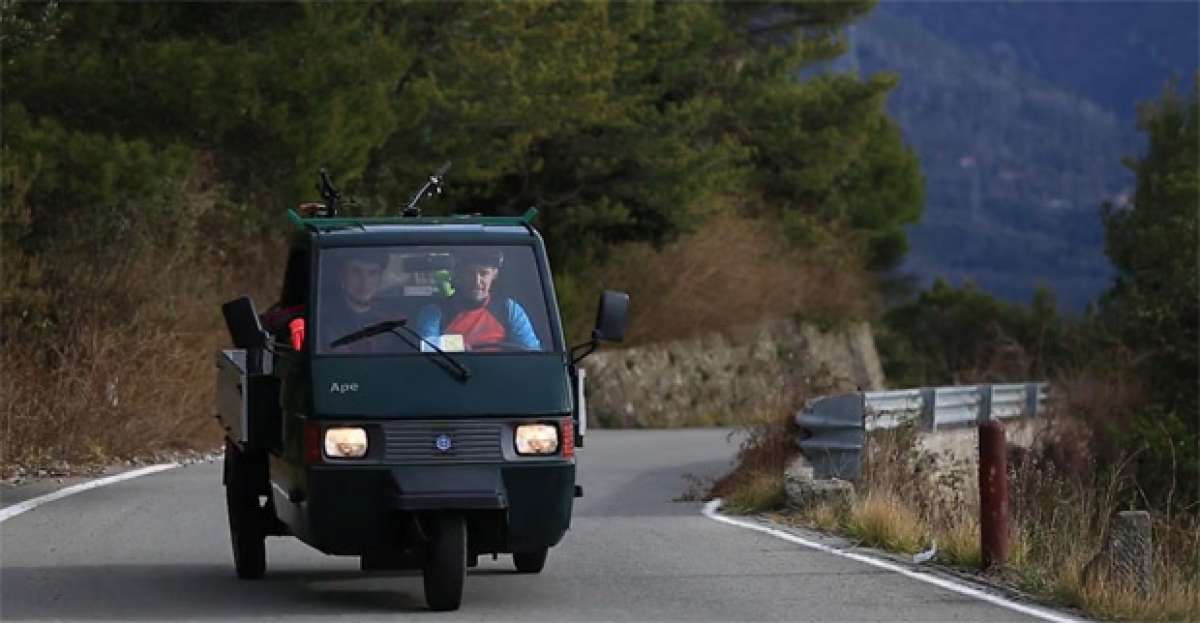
pixel 446 566
pixel 247 522
pixel 531 561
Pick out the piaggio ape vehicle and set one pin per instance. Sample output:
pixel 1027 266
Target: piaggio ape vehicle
pixel 410 399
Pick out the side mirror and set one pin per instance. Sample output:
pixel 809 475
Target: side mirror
pixel 612 316
pixel 244 326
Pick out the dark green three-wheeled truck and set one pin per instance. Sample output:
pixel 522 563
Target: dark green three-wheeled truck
pixel 409 400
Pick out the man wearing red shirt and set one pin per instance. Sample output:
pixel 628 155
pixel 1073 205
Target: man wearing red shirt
pixel 484 321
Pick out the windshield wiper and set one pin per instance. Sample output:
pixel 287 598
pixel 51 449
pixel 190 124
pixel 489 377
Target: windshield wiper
pixel 391 326
pixel 454 366
pixel 370 330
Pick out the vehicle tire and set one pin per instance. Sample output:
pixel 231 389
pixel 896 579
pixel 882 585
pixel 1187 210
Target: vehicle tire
pixel 247 522
pixel 531 561
pixel 446 565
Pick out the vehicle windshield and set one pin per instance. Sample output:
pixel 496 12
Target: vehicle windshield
pixel 459 298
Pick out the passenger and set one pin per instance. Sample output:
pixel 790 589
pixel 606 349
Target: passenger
pixel 484 321
pixel 359 276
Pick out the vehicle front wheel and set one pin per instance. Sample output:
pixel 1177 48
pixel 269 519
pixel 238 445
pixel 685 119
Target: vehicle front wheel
pixel 446 566
pixel 530 561
pixel 247 525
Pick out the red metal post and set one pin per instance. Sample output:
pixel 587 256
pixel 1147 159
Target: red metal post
pixel 993 494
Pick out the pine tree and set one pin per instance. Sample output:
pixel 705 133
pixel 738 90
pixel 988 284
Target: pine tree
pixel 1155 303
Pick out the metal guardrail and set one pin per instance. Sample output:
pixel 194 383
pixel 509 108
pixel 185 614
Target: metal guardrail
pixel 831 437
pixel 832 428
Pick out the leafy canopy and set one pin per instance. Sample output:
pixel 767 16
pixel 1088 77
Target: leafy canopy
pixel 620 121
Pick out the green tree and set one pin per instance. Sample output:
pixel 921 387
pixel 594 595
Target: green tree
pixel 621 121
pixel 118 117
pixel 596 113
pixel 881 192
pixel 266 94
pixel 635 121
pixel 949 335
pixel 1155 303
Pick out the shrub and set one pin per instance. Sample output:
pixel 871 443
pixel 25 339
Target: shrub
pixel 760 491
pixel 958 541
pixel 882 519
pixel 733 271
pixel 114 385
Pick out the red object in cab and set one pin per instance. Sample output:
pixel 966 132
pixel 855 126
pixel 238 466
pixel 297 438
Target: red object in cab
pixel 296 326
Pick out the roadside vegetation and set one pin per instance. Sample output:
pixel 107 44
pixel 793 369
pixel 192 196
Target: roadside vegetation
pixel 734 271
pixel 1122 434
pixel 1058 520
pixel 1059 514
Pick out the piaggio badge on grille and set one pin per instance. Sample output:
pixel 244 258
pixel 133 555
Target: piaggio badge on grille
pixel 443 443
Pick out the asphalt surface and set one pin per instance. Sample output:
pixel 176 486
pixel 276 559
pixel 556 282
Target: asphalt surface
pixel 157 548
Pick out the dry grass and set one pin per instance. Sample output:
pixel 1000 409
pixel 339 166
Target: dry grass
pixel 113 393
pixel 769 438
pixel 825 516
pixel 758 492
pixel 881 519
pixel 1175 598
pixel 1060 509
pixel 768 445
pixel 733 271
pixel 1053 551
pixel 1061 502
pixel 958 542
pixel 766 449
pixel 127 379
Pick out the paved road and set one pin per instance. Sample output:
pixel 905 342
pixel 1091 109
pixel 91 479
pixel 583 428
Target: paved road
pixel 156 548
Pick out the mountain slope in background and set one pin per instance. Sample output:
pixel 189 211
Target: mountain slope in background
pixel 1113 53
pixel 1021 114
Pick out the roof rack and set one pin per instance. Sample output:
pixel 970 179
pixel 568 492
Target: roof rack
pixel 339 222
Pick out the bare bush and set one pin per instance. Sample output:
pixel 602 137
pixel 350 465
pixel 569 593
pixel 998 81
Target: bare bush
pixel 733 271
pixel 129 379
pixel 769 443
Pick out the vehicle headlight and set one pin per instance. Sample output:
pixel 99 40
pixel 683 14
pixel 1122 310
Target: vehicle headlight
pixel 348 442
pixel 536 439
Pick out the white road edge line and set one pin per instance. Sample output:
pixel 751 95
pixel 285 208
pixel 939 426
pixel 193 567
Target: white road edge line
pixel 8 512
pixel 710 511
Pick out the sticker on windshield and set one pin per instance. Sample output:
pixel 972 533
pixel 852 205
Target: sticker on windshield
pixel 450 342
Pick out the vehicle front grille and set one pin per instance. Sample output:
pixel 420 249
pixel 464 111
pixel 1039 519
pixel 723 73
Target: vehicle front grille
pixel 416 442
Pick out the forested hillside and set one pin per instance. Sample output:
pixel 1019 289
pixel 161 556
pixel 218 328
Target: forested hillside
pixel 1115 54
pixel 150 150
pixel 1021 114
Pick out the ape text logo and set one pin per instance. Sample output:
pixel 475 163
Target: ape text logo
pixel 342 388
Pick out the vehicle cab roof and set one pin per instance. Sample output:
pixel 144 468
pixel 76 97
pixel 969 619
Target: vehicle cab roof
pixel 390 230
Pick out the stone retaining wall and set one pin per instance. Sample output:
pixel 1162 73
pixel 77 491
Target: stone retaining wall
pixel 722 378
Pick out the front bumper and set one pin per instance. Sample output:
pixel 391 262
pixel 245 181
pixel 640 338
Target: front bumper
pixel 352 509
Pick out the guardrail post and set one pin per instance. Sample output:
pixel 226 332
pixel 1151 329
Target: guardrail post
pixel 928 410
pixel 993 494
pixel 1033 393
pixel 986 392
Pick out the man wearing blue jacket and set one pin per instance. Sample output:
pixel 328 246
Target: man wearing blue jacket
pixel 485 322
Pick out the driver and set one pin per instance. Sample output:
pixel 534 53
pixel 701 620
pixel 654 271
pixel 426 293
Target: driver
pixel 473 312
